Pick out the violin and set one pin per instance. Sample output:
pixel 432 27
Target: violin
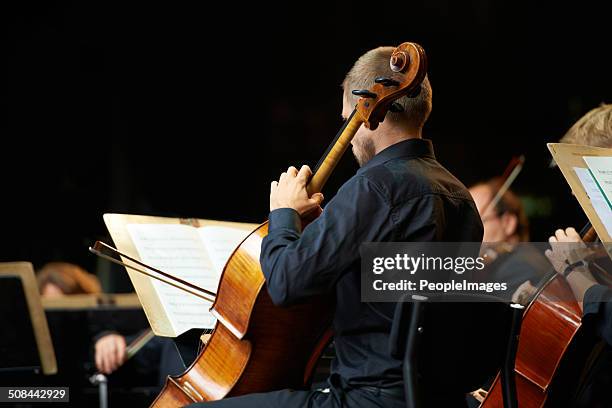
pixel 493 250
pixel 255 345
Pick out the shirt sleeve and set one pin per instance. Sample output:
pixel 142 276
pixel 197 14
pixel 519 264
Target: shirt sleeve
pixel 597 305
pixel 298 264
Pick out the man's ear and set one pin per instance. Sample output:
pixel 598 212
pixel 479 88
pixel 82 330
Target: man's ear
pixel 509 223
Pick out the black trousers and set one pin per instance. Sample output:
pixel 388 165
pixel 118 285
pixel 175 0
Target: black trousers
pixel 339 396
pixel 370 398
pixel 356 398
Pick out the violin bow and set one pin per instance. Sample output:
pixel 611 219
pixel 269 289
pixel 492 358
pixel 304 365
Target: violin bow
pixel 510 174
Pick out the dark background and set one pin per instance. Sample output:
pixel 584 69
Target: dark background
pixel 179 109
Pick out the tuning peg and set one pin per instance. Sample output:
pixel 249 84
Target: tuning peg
pixel 415 93
pixel 396 108
pixel 364 93
pixel 386 81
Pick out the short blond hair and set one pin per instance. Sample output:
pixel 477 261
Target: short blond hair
pixel 375 63
pixel 593 129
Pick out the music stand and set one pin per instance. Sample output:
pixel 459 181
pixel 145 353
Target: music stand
pixel 570 157
pixel 26 343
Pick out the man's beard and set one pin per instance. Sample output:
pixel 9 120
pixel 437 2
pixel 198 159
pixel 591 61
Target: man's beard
pixel 363 150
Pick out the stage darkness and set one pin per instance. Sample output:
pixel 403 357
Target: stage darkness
pixel 180 110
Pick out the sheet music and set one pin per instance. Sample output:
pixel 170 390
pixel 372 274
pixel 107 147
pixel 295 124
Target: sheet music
pixel 597 198
pixel 601 169
pixel 178 250
pixel 220 243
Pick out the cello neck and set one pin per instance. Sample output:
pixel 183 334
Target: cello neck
pixel 408 66
pixel 334 153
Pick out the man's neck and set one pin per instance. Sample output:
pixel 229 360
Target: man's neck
pixel 392 135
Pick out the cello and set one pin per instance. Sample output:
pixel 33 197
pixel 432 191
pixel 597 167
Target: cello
pixel 255 345
pixel 551 331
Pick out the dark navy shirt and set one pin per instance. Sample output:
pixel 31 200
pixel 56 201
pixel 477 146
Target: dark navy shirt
pixel 598 307
pixel 401 194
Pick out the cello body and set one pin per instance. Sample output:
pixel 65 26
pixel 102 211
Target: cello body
pixel 279 351
pixel 551 352
pixel 553 347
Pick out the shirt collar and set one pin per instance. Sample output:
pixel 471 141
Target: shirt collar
pixel 410 148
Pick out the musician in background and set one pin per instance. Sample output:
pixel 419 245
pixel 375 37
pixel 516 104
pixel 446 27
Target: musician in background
pixel 505 221
pixel 400 193
pixel 57 279
pixel 159 355
pixel 512 259
pixel 62 278
pixel 505 226
pixel 595 299
pixel 593 129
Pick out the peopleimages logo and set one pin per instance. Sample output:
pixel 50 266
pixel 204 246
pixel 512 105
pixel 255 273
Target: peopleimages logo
pixel 393 270
pixel 411 264
pixel 444 287
pixel 462 271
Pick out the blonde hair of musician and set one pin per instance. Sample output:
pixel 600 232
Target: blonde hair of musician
pixel 593 129
pixel 397 126
pixel 375 63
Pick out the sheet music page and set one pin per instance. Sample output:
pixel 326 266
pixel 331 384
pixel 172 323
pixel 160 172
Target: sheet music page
pixel 597 198
pixel 601 169
pixel 178 250
pixel 220 243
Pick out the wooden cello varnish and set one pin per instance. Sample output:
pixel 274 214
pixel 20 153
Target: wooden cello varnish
pixel 550 325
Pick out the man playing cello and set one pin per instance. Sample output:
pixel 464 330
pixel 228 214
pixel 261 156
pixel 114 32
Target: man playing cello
pixel 400 193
